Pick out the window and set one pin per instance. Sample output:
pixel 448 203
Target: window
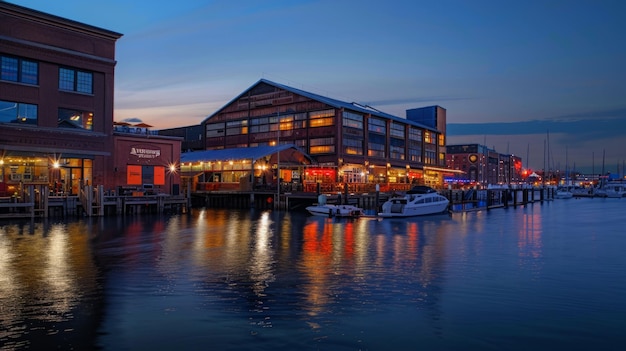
pixel 396 148
pixel 18 70
pixel 237 127
pixel 352 146
pixel 15 112
pixel 215 130
pixel 376 145
pixel 75 119
pixel 322 145
pixel 352 120
pixel 74 80
pixel 397 130
pixel 286 123
pixel 377 125
pixel 428 137
pixel 415 134
pixel 415 155
pixel 322 118
pixel 430 157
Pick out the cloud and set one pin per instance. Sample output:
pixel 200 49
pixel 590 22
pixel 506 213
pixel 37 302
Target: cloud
pixel 132 120
pixel 578 127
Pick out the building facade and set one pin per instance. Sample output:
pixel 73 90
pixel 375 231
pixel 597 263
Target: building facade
pixel 480 165
pixel 351 143
pixel 146 162
pixel 56 105
pixel 56 99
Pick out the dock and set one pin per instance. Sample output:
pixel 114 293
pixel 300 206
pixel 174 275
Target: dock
pixel 35 201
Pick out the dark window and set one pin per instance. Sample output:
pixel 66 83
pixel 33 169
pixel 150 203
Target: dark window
pixel 19 70
pixel 74 80
pixel 15 112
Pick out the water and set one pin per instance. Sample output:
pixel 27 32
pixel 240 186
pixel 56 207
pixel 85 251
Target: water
pixel 542 277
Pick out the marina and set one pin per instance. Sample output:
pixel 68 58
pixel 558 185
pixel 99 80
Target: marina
pixel 543 276
pixel 36 201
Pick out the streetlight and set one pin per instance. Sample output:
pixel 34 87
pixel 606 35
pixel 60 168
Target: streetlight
pixel 172 170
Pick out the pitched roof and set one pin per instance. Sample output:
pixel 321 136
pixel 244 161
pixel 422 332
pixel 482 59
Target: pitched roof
pixel 328 101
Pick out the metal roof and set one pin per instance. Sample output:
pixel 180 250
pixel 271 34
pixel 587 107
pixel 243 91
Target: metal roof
pixel 353 106
pixel 243 153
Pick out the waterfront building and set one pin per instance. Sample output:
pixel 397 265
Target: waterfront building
pixel 351 143
pixel 56 111
pixel 145 162
pixel 480 165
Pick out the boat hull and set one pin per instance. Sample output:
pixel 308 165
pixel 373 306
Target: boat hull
pixel 335 210
pixel 412 205
pixel 417 211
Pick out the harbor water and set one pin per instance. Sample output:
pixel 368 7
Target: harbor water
pixel 543 276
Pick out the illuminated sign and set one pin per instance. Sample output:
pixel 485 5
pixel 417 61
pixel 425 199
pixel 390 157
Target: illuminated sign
pixel 145 153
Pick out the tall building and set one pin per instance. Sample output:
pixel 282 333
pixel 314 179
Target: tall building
pixel 56 98
pixel 56 109
pixel 350 142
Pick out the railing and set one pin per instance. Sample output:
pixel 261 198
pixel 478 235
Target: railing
pixel 306 187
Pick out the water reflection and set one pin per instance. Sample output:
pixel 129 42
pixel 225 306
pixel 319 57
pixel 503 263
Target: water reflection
pixel 274 280
pixel 47 274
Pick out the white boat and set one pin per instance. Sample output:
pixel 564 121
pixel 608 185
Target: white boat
pixel 563 193
pixel 328 210
pixel 419 201
pixel 613 189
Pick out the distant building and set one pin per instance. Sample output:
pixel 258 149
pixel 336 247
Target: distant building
pixel 192 137
pixel 351 143
pixel 482 166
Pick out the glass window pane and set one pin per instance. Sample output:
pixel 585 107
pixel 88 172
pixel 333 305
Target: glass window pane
pixel 66 79
pixel 8 111
pixel 84 82
pixel 9 69
pixel 30 72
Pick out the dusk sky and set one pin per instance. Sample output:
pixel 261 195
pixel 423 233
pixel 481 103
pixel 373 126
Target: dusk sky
pixel 507 72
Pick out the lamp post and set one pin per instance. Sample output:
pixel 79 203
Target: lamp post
pixel 408 169
pixel 172 170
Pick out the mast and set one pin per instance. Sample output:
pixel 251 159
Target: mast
pixel 543 179
pixel 602 174
pixel 278 162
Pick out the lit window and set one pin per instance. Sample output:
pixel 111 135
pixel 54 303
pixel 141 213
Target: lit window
pixel 75 119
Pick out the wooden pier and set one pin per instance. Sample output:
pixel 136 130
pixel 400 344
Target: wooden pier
pixel 460 200
pixel 36 201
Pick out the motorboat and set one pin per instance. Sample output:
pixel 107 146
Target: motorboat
pixel 419 201
pixel 321 208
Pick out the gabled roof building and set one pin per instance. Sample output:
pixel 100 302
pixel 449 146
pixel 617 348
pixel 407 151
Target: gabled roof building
pixel 349 142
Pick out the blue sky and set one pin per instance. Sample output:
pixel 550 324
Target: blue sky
pixel 507 72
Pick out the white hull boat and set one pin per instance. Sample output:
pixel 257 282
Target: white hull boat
pixel 335 210
pixel 328 210
pixel 419 201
